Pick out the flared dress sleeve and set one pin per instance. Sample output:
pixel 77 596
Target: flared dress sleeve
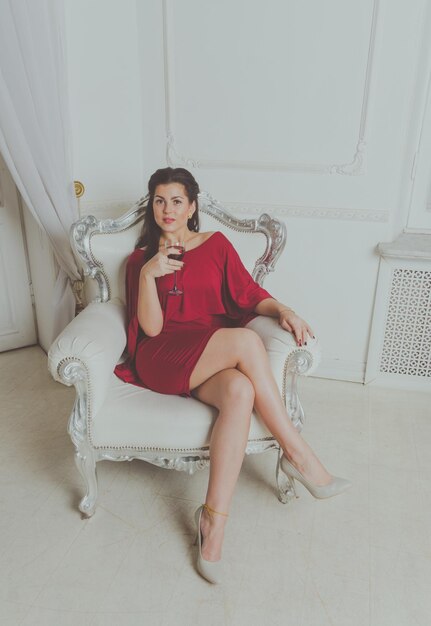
pixel 126 371
pixel 240 292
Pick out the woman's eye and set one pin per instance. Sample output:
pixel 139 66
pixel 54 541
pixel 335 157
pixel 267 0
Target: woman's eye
pixel 177 201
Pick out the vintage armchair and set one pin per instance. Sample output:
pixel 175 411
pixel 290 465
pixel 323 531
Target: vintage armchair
pixel 113 420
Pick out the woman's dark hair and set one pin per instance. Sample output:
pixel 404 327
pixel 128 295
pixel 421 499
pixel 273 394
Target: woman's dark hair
pixel 150 233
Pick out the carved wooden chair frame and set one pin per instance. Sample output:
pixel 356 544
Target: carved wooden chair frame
pixel 71 369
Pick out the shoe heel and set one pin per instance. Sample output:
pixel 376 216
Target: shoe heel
pixel 333 488
pixel 197 522
pixel 291 482
pixel 210 570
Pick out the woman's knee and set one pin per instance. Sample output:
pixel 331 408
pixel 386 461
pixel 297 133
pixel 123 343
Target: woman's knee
pixel 238 389
pixel 248 341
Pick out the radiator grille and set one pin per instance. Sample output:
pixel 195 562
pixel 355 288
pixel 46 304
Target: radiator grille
pixel 407 343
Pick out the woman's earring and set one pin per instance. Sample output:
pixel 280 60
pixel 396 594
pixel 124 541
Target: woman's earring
pixel 190 216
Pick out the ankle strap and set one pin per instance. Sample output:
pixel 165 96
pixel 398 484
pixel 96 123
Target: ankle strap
pixel 210 511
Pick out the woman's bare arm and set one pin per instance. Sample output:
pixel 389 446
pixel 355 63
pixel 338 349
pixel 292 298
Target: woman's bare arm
pixel 150 314
pixel 287 319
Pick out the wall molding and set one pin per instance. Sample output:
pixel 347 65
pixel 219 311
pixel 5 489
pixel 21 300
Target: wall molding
pixel 175 158
pixel 113 208
pixel 407 246
pixel 286 210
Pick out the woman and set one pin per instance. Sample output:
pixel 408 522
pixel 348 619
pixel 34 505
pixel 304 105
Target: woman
pixel 196 344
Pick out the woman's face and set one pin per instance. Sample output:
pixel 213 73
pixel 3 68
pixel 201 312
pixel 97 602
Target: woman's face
pixel 172 208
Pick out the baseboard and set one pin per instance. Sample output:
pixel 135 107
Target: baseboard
pixel 340 369
pixel 352 371
pixel 399 381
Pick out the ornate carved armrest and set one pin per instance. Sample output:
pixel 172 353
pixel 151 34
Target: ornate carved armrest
pixel 287 361
pixel 89 348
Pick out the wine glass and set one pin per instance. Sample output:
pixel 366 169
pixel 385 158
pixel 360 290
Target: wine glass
pixel 176 250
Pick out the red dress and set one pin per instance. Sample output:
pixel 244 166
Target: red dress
pixel 218 292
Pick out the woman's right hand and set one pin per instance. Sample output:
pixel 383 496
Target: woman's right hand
pixel 160 265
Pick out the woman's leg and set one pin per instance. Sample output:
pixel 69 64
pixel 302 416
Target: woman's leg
pixel 242 348
pixel 232 393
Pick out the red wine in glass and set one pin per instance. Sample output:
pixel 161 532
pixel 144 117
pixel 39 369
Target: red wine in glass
pixel 176 251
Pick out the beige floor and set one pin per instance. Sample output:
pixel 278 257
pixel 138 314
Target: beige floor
pixel 361 559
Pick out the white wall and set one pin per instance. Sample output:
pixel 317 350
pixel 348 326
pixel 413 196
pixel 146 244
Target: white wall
pixel 308 110
pixel 106 97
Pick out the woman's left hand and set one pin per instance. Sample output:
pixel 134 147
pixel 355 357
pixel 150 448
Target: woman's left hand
pixel 295 325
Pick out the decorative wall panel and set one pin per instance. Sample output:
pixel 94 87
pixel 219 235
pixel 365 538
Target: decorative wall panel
pixel 285 102
pixel 114 209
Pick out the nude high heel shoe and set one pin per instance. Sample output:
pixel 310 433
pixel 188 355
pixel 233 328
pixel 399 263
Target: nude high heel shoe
pixel 212 571
pixel 336 486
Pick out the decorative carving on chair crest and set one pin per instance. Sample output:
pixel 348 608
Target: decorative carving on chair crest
pixel 83 230
pixel 273 229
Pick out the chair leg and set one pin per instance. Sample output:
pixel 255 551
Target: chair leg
pixel 297 364
pixel 86 465
pixel 85 459
pixel 286 490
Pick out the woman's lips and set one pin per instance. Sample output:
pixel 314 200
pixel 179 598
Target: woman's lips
pixel 168 220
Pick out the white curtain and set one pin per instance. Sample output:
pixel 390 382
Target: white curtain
pixel 34 129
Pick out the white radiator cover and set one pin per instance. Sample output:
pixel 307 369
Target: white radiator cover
pixel 407 339
pixel 400 342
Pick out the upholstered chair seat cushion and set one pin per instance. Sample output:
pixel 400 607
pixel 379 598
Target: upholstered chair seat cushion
pixel 122 415
pixel 132 417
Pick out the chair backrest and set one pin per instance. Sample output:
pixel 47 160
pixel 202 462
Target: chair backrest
pixel 103 246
